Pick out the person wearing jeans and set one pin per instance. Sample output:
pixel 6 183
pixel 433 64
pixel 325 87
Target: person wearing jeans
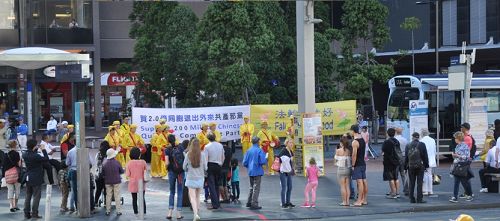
pixel 461 155
pixel 286 173
pixel 175 175
pixel 71 162
pixel 253 160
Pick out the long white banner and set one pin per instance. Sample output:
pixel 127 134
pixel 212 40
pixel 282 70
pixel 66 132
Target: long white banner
pixel 186 122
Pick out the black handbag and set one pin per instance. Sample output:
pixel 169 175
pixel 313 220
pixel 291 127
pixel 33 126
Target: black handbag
pixel 461 169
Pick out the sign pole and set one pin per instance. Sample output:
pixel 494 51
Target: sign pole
pixel 83 167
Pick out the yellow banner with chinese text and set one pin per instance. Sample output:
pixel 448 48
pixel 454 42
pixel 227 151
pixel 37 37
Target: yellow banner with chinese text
pixel 337 117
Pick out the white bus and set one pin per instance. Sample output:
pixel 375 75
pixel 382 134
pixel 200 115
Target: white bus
pixel 447 103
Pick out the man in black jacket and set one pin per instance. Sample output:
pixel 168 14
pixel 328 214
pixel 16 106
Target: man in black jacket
pixel 34 167
pixel 416 162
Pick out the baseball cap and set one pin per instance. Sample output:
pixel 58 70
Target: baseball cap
pixel 466 126
pixel 415 135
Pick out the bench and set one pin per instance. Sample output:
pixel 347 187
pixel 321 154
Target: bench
pixel 494 176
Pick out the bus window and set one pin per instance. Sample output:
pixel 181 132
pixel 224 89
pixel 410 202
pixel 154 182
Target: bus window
pixel 399 101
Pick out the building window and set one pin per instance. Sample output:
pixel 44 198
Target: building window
pixel 450 23
pixel 60 22
pixel 477 21
pixel 9 29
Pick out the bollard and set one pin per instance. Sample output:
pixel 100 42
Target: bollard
pixel 140 199
pixel 48 197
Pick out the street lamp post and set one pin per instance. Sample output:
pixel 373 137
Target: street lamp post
pixel 436 4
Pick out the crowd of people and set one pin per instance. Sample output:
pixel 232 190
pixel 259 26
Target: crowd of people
pixel 205 162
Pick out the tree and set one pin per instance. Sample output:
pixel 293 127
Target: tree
pixel 243 43
pixel 363 22
pixel 164 51
pixel 410 24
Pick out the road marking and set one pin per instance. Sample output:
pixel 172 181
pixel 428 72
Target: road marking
pixel 244 211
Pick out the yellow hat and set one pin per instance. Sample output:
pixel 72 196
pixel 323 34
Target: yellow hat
pixel 71 126
pixel 246 117
pixel 264 122
pixel 291 117
pixel 464 217
pixel 116 122
pixel 111 127
pixel 158 126
pixel 213 124
pixel 204 125
pixel 133 126
pixel 163 127
pixel 162 120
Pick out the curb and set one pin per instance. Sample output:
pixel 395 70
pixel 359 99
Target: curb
pixel 452 207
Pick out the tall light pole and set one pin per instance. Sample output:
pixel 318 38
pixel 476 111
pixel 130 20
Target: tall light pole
pixel 436 4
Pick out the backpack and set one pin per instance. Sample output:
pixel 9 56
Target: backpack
pixel 414 157
pixel 473 148
pixel 177 160
pixel 395 157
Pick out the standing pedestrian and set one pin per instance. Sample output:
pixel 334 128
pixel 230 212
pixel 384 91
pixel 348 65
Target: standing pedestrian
pixel 391 163
pixel 366 137
pixel 63 186
pixel 235 180
pixel 196 165
pixel 174 161
pixel 135 171
pixel 22 133
pixel 225 169
pixel 34 169
pixel 416 162
pixel 246 134
pixel 215 155
pixel 312 174
pixel 359 166
pixel 99 181
pixel 344 167
pixel 47 166
pixel 496 132
pixel 461 156
pixel 11 165
pixel 3 131
pixel 403 142
pixel 286 174
pixel 253 160
pixel 430 145
pixel 72 163
pixel 112 171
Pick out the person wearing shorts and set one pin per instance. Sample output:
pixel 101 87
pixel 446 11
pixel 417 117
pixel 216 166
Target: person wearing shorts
pixel 359 166
pixel 391 163
pixel 196 165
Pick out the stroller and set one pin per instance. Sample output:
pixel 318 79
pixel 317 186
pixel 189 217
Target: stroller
pixel 102 200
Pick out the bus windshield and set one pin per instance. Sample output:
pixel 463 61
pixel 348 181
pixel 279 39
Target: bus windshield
pixel 399 101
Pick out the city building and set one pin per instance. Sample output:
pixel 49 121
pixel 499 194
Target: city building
pixel 98 28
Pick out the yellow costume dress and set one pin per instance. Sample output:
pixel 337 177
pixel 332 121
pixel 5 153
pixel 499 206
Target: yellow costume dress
pixel 218 136
pixel 65 136
pixel 246 134
pixel 115 143
pixel 130 141
pixel 125 128
pixel 266 139
pixel 202 137
pixel 158 143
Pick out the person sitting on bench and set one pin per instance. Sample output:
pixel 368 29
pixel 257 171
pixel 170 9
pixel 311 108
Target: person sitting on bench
pixel 493 166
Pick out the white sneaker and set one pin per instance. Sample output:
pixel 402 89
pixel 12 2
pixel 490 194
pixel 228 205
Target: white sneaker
pixel 483 190
pixel 196 218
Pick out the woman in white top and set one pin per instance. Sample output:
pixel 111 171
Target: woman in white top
pixel 343 163
pixel 286 173
pixel 195 165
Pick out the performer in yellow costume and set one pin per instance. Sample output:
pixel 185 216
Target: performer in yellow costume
pixel 125 127
pixel 202 136
pixel 268 141
pixel 114 141
pixel 131 140
pixel 213 128
pixel 290 130
pixel 163 169
pixel 162 121
pixel 71 128
pixel 157 142
pixel 246 134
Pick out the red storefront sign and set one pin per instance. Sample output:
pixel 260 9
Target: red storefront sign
pixel 115 79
